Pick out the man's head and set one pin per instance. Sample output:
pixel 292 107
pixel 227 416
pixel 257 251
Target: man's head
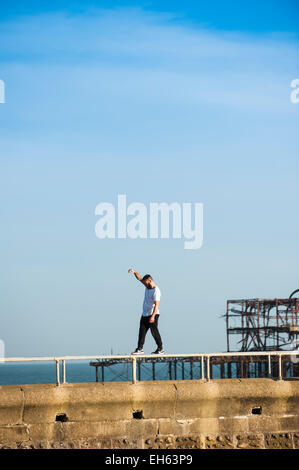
pixel 148 281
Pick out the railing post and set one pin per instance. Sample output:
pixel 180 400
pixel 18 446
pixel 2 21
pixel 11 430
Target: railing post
pixel 63 372
pixel 202 368
pixel 134 370
pixel 208 368
pixel 279 367
pixel 57 372
pixel 269 365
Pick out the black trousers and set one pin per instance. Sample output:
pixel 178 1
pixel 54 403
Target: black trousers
pixel 143 329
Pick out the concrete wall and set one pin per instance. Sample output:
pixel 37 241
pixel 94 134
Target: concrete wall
pixel 159 414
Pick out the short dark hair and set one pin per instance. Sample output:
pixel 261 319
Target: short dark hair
pixel 147 276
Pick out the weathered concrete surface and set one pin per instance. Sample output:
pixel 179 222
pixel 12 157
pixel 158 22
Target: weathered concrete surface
pixel 159 414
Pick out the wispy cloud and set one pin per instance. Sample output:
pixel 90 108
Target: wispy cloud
pixel 128 66
pixel 133 33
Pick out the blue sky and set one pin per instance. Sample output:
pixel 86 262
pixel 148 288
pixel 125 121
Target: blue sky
pixel 161 101
pixel 248 15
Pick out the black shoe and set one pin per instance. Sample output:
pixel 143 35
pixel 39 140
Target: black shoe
pixel 158 351
pixel 137 351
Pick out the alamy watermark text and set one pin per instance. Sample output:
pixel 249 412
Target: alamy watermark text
pixel 153 222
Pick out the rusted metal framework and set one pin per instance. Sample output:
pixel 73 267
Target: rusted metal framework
pixel 209 366
pixel 263 324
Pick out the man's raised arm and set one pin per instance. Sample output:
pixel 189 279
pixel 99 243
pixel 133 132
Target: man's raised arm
pixel 132 271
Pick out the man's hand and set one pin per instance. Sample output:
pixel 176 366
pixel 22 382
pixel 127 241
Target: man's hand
pixel 152 319
pixel 132 271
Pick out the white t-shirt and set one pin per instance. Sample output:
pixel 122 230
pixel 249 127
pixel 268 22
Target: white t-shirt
pixel 149 298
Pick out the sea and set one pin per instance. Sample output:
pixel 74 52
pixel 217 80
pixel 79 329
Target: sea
pixel 13 373
pixel 80 371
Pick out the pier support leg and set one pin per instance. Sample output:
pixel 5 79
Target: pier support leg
pixel 170 371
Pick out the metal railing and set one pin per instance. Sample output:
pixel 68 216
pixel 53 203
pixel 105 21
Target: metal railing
pixel 203 357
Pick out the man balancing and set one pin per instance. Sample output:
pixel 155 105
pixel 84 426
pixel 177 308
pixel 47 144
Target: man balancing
pixel 150 313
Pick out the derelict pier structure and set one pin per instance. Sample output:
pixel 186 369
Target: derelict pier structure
pixel 263 324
